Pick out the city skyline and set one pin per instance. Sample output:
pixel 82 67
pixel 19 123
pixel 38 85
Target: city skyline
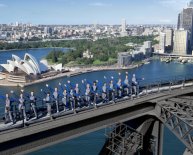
pixel 91 12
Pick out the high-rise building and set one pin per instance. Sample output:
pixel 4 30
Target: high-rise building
pixel 123 28
pixel 191 4
pixel 181 42
pixel 179 22
pixel 16 23
pixel 146 49
pixel 123 25
pixel 148 44
pixel 169 37
pixel 185 18
pixel 185 22
pixel 45 30
pixel 162 42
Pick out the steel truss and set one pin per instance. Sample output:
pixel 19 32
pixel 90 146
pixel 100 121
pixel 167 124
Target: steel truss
pixel 177 115
pixel 123 139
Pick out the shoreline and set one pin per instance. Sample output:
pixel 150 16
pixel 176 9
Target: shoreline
pixel 76 73
pixel 32 49
pixel 68 74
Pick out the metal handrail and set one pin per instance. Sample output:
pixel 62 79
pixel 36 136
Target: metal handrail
pixel 41 105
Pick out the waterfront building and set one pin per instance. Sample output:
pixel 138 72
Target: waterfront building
pixel 180 42
pixel 146 48
pixel 162 42
pixel 141 52
pixel 138 55
pixel 169 37
pixel 124 59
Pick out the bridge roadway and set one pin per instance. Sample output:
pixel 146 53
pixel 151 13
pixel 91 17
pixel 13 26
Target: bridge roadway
pixel 52 131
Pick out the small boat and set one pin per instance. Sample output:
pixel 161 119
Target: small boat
pixel 162 59
pixel 147 62
pixel 184 61
pixel 168 60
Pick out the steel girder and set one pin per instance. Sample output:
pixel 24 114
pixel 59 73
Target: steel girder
pixel 177 115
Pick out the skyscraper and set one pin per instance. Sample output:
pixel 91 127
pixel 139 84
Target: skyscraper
pixel 123 25
pixel 185 22
pixel 181 42
pixel 45 30
pixel 179 22
pixel 169 37
pixel 123 28
pixel 191 4
pixel 162 42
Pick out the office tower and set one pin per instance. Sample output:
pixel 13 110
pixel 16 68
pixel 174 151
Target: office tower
pixel 179 21
pixel 123 25
pixel 169 37
pixel 185 22
pixel 45 30
pixel 181 42
pixel 48 30
pixel 185 18
pixel 162 42
pixel 123 28
pixel 191 4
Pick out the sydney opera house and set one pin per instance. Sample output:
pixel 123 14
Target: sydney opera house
pixel 28 65
pixel 22 69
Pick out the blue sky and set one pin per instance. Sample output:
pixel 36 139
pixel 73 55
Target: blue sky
pixel 91 11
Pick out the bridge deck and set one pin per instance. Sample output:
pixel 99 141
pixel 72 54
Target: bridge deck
pixel 52 131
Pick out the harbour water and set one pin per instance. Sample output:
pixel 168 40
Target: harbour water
pixel 38 53
pixel 91 144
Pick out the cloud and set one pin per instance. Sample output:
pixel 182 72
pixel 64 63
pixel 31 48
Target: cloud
pixel 2 5
pixel 99 4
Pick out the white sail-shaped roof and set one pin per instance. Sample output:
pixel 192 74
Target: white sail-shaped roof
pixel 32 62
pixel 16 58
pixel 7 67
pixel 11 65
pixel 29 65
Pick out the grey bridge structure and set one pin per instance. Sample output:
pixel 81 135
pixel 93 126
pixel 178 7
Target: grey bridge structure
pixel 157 105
